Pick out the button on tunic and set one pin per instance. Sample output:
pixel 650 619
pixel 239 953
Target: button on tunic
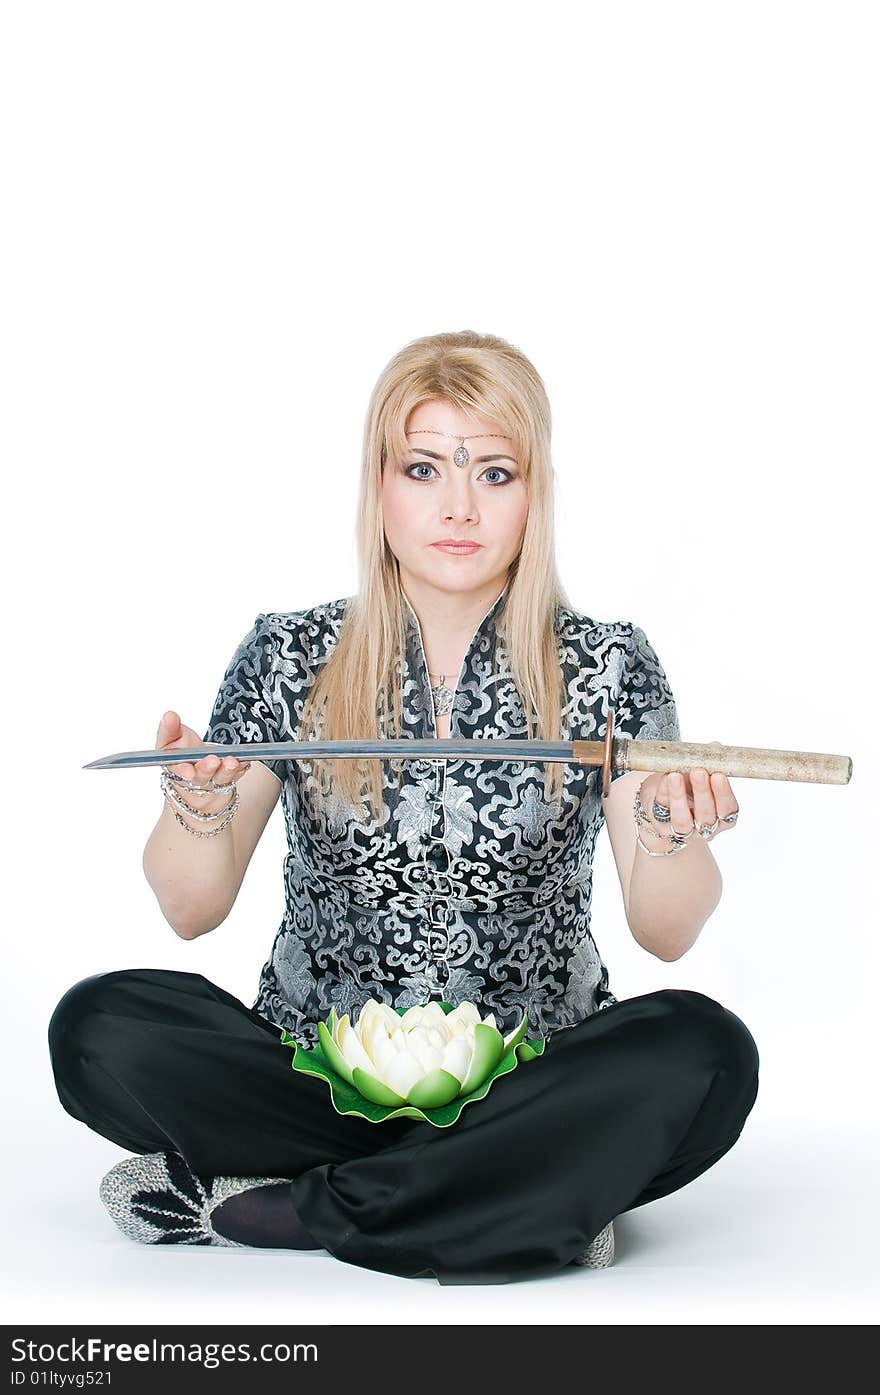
pixel 469 886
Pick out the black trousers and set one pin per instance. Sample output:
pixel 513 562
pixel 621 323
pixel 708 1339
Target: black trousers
pixel 629 1105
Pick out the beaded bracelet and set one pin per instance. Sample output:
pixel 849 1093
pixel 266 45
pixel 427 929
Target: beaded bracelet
pixel 227 813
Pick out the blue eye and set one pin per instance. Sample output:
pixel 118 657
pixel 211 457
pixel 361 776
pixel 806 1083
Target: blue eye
pixel 423 465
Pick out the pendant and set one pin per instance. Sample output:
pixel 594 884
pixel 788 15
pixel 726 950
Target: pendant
pixel 460 454
pixel 442 697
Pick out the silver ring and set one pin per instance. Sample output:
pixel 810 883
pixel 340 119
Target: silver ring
pixel 730 818
pixel 660 812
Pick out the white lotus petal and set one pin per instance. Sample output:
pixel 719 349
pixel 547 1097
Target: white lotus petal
pixel 417 1050
pixel 508 1038
pixel 434 1016
pixel 454 1018
pixel 353 1051
pixel 489 1020
pixel 419 1046
pixel 341 1024
pixel 457 1058
pixel 438 1037
pixel 403 1073
pixel 428 1056
pixel 370 1012
pixel 383 1055
pixel 398 1040
pixel 385 1013
pixel 412 1016
pixel 375 1025
pixel 466 1012
pixel 374 1038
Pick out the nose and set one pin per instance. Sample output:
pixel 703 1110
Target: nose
pixel 458 500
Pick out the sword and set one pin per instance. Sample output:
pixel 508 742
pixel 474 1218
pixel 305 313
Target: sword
pixel 613 753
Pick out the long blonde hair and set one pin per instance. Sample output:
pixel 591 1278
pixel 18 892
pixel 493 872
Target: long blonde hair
pixel 477 373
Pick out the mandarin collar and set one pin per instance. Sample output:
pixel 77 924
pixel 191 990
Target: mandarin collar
pixel 417 664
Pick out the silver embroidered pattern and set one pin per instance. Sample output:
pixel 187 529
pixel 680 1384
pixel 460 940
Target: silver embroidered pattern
pixel 470 884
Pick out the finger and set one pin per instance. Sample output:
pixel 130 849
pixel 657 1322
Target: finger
pixel 206 770
pixel 649 789
pixel 679 808
pixel 227 770
pixel 662 793
pixel 168 735
pixel 169 721
pixel 168 730
pixel 662 799
pixel 726 801
pixel 704 797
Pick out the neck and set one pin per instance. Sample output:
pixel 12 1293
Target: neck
pixel 449 620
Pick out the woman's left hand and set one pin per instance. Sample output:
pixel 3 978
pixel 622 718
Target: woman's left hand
pixel 693 798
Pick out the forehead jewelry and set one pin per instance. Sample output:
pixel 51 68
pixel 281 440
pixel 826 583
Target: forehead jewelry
pixel 460 455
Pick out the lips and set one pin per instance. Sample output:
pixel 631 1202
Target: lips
pixel 457 547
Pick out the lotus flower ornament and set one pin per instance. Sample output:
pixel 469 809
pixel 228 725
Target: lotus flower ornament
pixel 426 1062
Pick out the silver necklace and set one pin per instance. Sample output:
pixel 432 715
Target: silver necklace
pixel 441 695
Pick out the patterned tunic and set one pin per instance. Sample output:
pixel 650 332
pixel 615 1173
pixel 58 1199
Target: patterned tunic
pixel 470 887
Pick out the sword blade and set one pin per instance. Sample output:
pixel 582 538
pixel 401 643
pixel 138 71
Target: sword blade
pixel 408 749
pixel 744 762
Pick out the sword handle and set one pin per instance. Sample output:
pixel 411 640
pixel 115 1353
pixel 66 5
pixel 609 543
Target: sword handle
pixel 743 762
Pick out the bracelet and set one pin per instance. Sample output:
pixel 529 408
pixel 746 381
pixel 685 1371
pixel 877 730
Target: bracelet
pixel 678 840
pixel 663 852
pixel 199 814
pixel 227 813
pixel 208 832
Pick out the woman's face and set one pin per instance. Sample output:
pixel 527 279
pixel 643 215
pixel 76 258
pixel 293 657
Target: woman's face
pixel 426 499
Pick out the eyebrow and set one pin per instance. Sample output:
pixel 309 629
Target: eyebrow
pixel 480 459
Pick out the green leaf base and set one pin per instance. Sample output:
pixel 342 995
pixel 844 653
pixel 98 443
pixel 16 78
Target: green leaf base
pixel 346 1099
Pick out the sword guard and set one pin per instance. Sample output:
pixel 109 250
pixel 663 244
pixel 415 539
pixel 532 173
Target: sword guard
pixel 606 762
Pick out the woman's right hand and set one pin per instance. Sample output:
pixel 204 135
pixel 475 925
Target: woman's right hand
pixel 172 735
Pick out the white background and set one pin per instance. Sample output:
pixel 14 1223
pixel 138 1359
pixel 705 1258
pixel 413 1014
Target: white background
pixel 220 223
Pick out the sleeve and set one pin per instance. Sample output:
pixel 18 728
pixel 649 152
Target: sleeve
pixel 243 709
pixel 645 706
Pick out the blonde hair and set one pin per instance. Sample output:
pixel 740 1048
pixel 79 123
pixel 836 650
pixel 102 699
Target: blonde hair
pixel 485 375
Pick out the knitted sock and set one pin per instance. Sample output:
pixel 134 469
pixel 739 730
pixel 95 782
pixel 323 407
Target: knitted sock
pixel 264 1217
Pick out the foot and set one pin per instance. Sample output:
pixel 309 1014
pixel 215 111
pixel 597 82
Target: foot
pixel 263 1217
pixel 156 1199
pixel 600 1251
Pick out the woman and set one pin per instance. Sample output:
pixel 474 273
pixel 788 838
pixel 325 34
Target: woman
pixel 406 880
